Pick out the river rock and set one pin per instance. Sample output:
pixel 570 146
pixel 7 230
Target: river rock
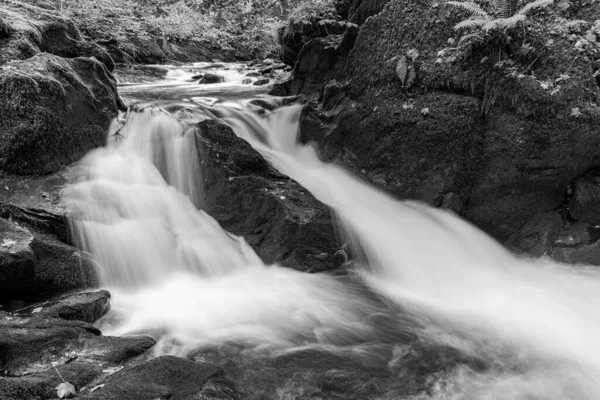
pixel 31 343
pixel 261 82
pixel 211 78
pixel 86 307
pixel 282 221
pixel 54 111
pixel 537 237
pixel 584 202
pixel 32 262
pixel 164 377
pixel 253 74
pixel 43 385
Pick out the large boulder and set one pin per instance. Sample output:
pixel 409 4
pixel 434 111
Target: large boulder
pixel 53 111
pixel 32 262
pixel 282 221
pixel 428 122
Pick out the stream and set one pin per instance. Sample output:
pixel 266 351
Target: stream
pixel 426 285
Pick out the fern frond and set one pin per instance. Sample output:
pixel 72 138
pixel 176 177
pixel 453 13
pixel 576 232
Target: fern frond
pixel 575 23
pixel 474 8
pixel 511 22
pixel 470 23
pixel 496 23
pixel 534 5
pixel 505 8
pixel 470 38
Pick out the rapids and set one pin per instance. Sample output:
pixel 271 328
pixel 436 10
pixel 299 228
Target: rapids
pixel 423 272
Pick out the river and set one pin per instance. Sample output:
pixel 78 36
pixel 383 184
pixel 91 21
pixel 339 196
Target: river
pixel 427 280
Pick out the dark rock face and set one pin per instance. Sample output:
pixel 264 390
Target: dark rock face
pixel 278 218
pixel 506 148
pixel 32 262
pixel 165 377
pixel 297 33
pixel 321 60
pixel 212 78
pixel 584 202
pixel 54 111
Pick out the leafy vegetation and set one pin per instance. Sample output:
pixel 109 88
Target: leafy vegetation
pixel 250 25
pixel 493 28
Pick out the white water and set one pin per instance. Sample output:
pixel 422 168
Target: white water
pixel 173 271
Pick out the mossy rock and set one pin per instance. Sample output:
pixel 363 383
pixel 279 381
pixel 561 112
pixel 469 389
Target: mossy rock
pixel 54 111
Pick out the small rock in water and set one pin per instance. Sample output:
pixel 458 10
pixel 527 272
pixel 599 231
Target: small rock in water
pixel 261 82
pixel 196 77
pixel 254 73
pixel 246 81
pixel 212 78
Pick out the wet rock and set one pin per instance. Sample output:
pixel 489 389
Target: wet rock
pixel 196 77
pixel 282 89
pixel 537 237
pixel 246 81
pixel 253 74
pixel 579 244
pixel 32 262
pixel 164 377
pixel 453 203
pixel 38 219
pixel 272 67
pixel 584 202
pixel 110 350
pixel 277 217
pixel 321 60
pixel 261 82
pixel 54 111
pixel 32 344
pixel 212 78
pixel 141 73
pixel 17 262
pixel 86 307
pixel 42 385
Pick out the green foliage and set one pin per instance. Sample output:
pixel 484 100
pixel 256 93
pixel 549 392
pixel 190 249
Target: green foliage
pixel 493 29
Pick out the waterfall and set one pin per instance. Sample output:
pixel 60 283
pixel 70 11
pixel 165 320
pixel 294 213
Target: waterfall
pixel 174 272
pixel 440 266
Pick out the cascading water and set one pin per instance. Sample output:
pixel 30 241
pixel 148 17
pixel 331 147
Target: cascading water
pixel 174 271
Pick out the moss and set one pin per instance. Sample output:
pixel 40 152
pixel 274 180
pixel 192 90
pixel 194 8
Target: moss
pixel 55 111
